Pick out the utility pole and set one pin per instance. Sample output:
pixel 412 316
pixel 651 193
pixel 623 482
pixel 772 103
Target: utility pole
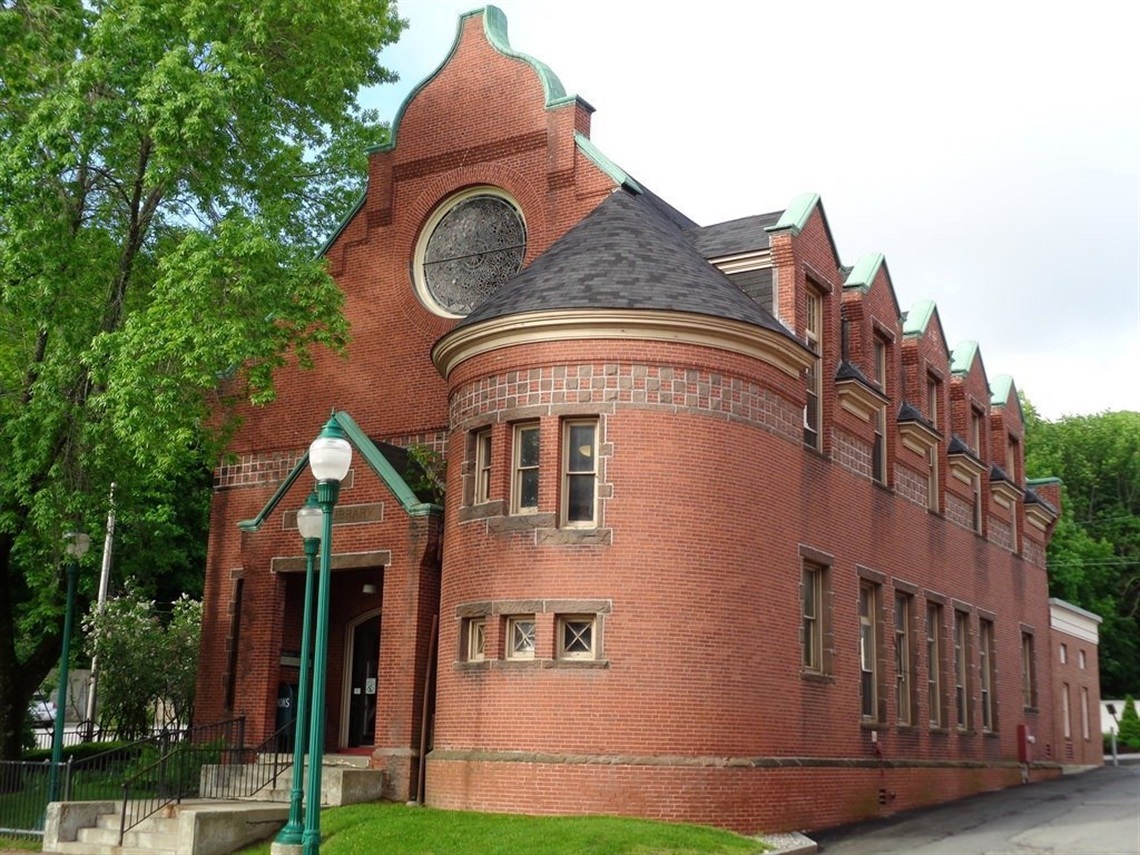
pixel 104 584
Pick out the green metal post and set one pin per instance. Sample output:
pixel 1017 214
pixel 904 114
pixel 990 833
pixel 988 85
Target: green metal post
pixel 61 693
pixel 327 493
pixel 291 834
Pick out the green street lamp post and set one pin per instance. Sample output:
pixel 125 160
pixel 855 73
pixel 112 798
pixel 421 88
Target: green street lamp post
pixel 330 455
pixel 76 547
pixel 309 522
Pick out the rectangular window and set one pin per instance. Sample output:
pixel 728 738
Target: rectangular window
pixel 903 604
pixel 961 669
pixel 813 617
pixel 976 432
pixel 1028 681
pixel 932 391
pixel 520 637
pixel 879 448
pixel 1084 712
pixel 814 334
pixel 476 639
pixel 576 637
pixel 932 496
pixel 868 664
pixel 1065 717
pixel 934 663
pixel 482 466
pixel 1081 661
pixel 978 508
pixel 580 473
pixel 881 363
pixel 988 672
pixel 1063 653
pixel 524 487
pixel 1011 455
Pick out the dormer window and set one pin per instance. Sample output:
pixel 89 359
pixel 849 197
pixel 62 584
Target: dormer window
pixel 813 333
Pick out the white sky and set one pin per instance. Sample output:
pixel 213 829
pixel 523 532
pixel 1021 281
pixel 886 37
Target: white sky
pixel 990 150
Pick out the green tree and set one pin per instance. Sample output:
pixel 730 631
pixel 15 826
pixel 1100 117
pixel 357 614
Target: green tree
pixel 1094 557
pixel 146 668
pixel 1129 729
pixel 167 171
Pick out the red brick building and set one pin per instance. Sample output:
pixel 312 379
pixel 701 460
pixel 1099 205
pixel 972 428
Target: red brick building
pixel 729 537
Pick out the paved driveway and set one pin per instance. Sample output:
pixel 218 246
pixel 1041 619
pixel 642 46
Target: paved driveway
pixel 1092 813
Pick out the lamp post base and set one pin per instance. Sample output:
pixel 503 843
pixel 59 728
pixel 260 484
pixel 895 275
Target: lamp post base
pixel 277 848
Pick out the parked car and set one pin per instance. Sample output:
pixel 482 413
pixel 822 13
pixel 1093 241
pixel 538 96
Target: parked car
pixel 42 712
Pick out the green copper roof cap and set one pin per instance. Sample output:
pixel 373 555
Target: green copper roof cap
pixel 376 461
pixel 1000 390
pixel 495 30
pixel 1043 482
pixel 962 357
pixel 796 215
pixel 864 271
pixel 341 226
pixel 918 318
pixel 619 175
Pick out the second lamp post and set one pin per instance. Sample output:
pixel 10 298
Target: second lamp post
pixel 330 456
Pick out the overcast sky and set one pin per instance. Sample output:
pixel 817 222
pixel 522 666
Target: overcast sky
pixel 991 151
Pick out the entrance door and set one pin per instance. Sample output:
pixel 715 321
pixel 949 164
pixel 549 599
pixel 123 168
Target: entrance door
pixel 362 682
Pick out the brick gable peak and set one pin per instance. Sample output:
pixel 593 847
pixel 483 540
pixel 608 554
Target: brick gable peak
pixel 494 30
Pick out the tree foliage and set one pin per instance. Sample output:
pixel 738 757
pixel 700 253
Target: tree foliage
pixel 167 171
pixel 1094 557
pixel 1129 728
pixel 147 669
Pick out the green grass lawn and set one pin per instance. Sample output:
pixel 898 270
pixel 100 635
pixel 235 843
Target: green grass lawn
pixel 401 830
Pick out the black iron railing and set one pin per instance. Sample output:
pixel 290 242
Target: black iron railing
pixel 209 762
pixel 25 784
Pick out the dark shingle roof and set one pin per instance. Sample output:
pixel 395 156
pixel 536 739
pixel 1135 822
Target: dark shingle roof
pixel 625 254
pixel 1032 497
pixel 735 236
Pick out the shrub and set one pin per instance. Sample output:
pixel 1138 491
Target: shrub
pixel 1129 730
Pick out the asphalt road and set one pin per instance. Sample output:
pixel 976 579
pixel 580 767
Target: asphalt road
pixel 1091 813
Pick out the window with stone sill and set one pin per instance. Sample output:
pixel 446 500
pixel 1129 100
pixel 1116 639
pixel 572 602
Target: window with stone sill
pixel 813 617
pixel 476 639
pixel 580 473
pixel 520 637
pixel 524 469
pixel 577 636
pixel 482 466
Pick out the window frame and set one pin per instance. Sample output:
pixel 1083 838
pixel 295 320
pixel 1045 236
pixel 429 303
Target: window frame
pixel 904 658
pixel 933 493
pixel 1066 713
pixel 936 715
pixel 567 476
pixel 987 667
pixel 1028 672
pixel 562 624
pixel 483 451
pixel 475 639
pixel 811 628
pixel 962 669
pixel 813 380
pixel 933 393
pixel 512 652
pixel 519 470
pixel 868 651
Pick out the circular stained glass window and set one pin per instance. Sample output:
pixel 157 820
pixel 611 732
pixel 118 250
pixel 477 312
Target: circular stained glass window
pixel 474 247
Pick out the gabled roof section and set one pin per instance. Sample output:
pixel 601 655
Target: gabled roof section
pixel 619 175
pixel 735 237
pixel 866 271
pixel 378 462
pixel 795 218
pixel 917 318
pixel 495 31
pixel 962 358
pixel 625 254
pixel 796 215
pixel 1001 389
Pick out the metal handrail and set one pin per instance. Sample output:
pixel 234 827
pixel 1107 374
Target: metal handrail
pixel 176 773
